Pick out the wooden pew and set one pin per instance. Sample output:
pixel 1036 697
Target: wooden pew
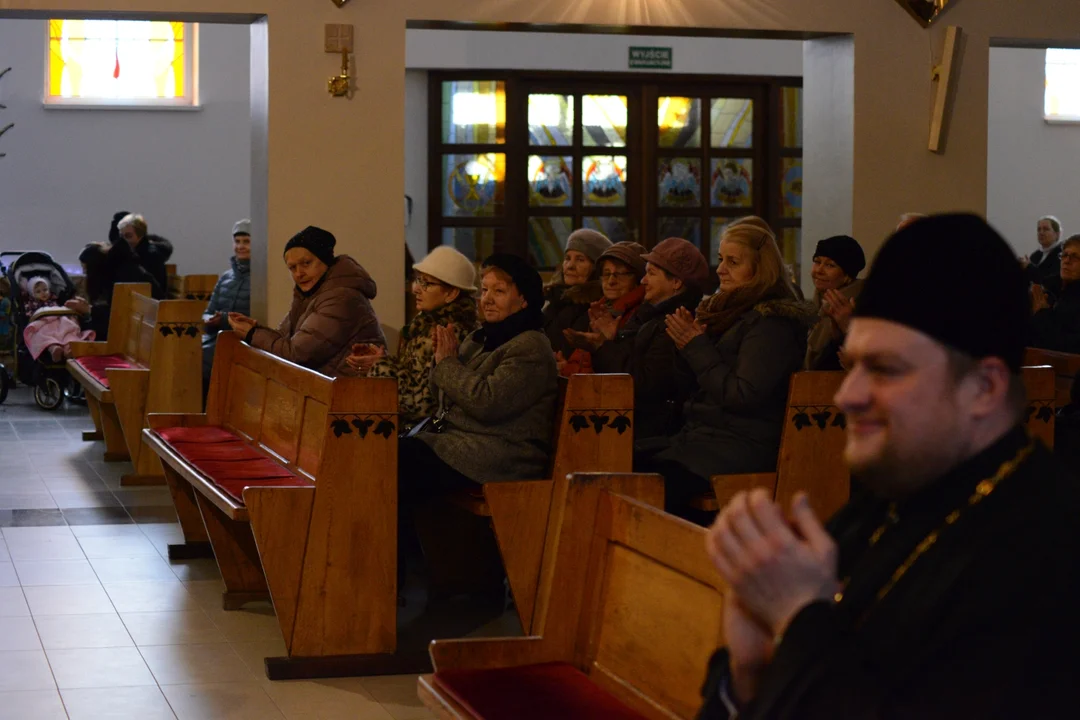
pixel 812 442
pixel 593 432
pixel 150 363
pixel 1065 366
pixel 630 613
pixel 321 539
pixel 192 287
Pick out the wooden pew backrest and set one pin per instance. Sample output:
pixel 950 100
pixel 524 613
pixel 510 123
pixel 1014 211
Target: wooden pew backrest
pixel 1039 383
pixel 124 319
pixel 1065 366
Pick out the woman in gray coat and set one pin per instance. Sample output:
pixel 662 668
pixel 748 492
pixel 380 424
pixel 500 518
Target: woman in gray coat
pixel 738 355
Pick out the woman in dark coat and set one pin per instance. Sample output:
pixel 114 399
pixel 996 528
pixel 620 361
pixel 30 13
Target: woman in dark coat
pixel 738 355
pixel 575 288
pixel 837 263
pixel 1055 324
pixel 675 275
pixel 232 293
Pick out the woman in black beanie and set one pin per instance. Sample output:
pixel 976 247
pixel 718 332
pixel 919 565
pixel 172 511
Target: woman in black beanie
pixel 837 263
pixel 331 309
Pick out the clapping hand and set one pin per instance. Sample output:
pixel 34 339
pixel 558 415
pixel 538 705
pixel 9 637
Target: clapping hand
pixel 1025 261
pixel 1039 300
pixel 364 356
pixel 775 568
pixel 241 324
pixel 446 342
pixel 583 340
pixel 602 322
pixel 682 327
pixel 839 308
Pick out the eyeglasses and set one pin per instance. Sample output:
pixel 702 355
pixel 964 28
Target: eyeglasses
pixel 424 283
pixel 1070 256
pixel 613 275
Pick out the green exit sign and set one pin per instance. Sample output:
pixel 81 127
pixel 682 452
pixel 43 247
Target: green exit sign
pixel 650 58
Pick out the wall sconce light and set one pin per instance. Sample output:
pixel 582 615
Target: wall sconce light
pixel 338 85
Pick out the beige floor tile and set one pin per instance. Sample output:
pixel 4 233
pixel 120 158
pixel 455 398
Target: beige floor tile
pixel 31 705
pixel 8 577
pixel 171 628
pixel 194 570
pixel 170 531
pixel 397 693
pixel 13 602
pixel 126 703
pixel 206 592
pixel 75 600
pixel 334 697
pixel 194 664
pixel 55 572
pixel 97 531
pixel 121 570
pixel 18 633
pixel 82 631
pixel 99 668
pixel 46 547
pixel 145 497
pixel 255 652
pixel 158 596
pixel 27 501
pixel 5 556
pixel 117 547
pixel 247 625
pixel 85 498
pixel 25 670
pixel 73 483
pixel 221 701
pixel 34 535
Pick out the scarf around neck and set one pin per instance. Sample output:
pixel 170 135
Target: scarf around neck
pixel 496 334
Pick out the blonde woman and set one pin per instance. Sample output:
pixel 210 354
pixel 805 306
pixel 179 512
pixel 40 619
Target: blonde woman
pixel 738 354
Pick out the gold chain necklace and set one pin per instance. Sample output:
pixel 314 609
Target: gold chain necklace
pixel 982 490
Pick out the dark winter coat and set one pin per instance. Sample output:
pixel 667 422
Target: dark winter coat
pixel 1040 271
pixel 822 346
pixel 983 624
pixel 501 406
pixel 1058 326
pixel 568 308
pixel 151 255
pixel 643 349
pixel 232 293
pixel 325 322
pixel 733 419
pixel 412 365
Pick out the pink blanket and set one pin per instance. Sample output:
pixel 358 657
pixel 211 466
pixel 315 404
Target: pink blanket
pixel 40 334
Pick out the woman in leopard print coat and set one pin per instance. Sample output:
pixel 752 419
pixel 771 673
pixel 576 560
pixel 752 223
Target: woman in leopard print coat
pixel 443 286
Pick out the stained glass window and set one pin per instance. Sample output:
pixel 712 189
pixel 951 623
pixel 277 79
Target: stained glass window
pixel 474 112
pixel 120 61
pixel 472 242
pixel 679 182
pixel 604 180
pixel 791 187
pixel 547 239
pixel 603 120
pixel 732 123
pixel 551 182
pixel 551 119
pixel 791 117
pixel 678 120
pixel 473 185
pixel 614 228
pixel 1062 101
pixel 731 182
pixel 687 228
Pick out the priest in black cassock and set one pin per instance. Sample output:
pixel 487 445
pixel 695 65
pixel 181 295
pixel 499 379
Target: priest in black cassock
pixel 950 588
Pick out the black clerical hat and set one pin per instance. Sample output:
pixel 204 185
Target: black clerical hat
pixel 954 278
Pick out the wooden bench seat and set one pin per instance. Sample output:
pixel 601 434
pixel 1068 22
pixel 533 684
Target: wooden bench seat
pixel 291 477
pixel 593 432
pixel 150 363
pixel 630 613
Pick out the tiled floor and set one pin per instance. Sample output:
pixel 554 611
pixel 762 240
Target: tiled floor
pixel 96 623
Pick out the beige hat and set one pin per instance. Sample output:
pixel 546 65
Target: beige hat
pixel 446 264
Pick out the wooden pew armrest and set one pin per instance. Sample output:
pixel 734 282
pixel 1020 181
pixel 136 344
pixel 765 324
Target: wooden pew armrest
pixel 487 653
pixel 726 486
pixel 155 421
pixel 82 348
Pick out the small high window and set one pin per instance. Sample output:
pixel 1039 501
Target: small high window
pixel 1062 85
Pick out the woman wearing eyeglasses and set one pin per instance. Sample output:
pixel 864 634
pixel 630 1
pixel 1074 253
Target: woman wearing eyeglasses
pixel 1055 304
pixel 621 269
pixel 443 285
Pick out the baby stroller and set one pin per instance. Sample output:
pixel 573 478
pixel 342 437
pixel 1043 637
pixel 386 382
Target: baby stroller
pixel 50 380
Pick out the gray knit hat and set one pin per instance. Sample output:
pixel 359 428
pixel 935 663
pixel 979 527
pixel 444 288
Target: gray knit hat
pixel 242 227
pixel 589 243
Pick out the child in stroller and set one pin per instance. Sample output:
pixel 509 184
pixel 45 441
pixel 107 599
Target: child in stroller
pixel 51 328
pixel 33 367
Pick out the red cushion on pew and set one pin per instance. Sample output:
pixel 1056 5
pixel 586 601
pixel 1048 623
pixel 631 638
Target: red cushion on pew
pixel 533 692
pixel 235 488
pixel 96 365
pixel 221 470
pixel 204 434
pixel 234 451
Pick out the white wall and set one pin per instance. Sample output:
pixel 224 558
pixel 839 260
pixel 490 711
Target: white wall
pixel 461 49
pixel 1032 165
pixel 416 159
pixel 67 171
